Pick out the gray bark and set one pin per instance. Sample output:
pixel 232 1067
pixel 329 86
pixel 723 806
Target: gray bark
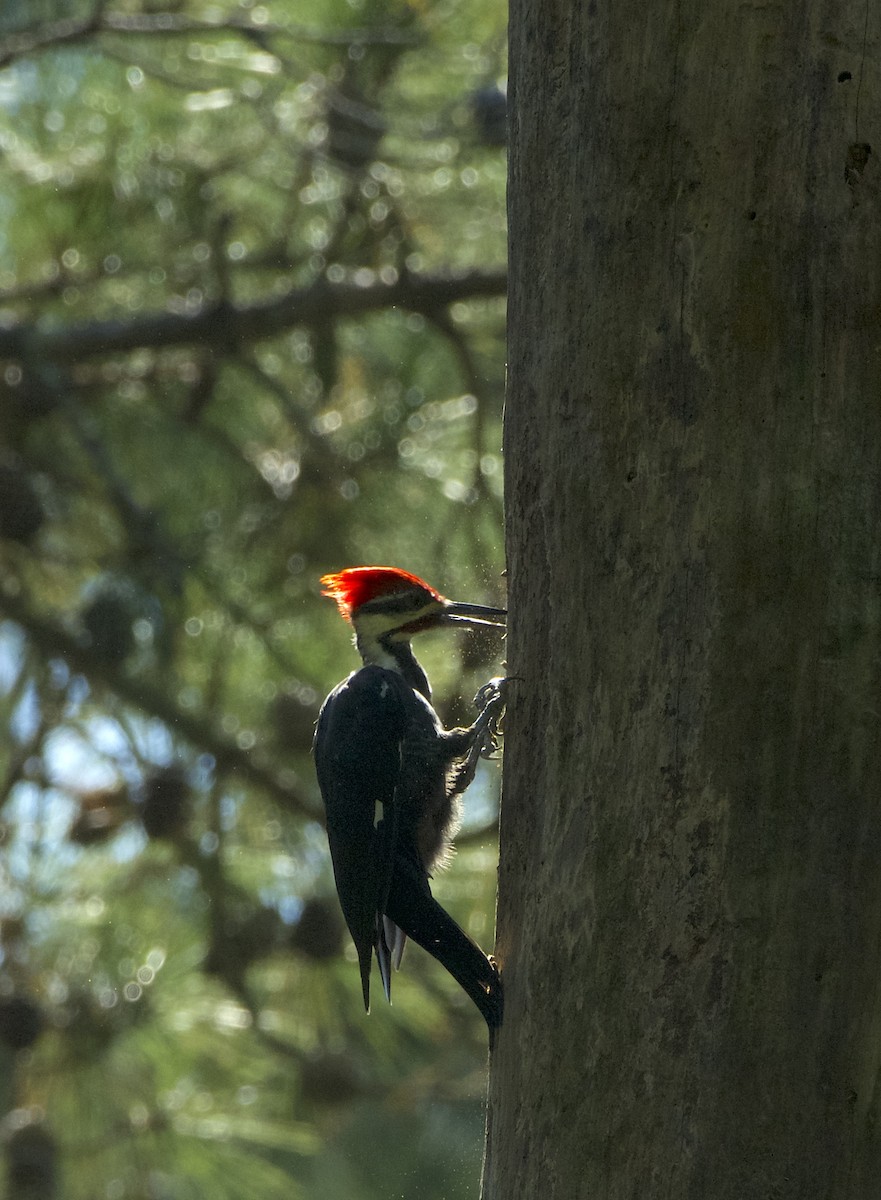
pixel 690 881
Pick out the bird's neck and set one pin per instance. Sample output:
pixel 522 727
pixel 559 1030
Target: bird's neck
pixel 395 656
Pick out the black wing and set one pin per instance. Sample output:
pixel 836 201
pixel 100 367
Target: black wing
pixel 358 764
pixel 380 878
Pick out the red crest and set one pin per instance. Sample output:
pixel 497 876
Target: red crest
pixel 356 585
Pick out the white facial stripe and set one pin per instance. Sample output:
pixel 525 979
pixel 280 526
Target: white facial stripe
pixel 370 626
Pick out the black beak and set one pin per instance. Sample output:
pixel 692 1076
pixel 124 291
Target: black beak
pixel 473 614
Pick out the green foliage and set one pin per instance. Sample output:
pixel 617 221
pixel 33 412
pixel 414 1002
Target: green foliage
pixel 251 329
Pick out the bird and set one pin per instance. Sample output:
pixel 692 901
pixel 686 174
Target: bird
pixel 391 777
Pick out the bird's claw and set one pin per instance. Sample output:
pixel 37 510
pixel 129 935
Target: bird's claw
pixel 494 691
pixel 490 701
pixel 490 746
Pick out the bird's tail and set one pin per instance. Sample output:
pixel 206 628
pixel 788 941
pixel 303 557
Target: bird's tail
pixel 415 911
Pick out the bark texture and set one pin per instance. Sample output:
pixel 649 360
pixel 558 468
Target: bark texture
pixel 690 882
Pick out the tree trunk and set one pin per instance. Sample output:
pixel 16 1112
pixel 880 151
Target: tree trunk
pixel 690 881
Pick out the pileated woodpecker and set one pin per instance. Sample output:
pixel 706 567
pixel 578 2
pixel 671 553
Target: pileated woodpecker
pixel 391 777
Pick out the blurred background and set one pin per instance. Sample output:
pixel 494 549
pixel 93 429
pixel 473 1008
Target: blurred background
pixel 251 330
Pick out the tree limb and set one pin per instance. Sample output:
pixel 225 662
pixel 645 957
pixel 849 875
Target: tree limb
pixel 53 639
pixel 70 31
pixel 227 324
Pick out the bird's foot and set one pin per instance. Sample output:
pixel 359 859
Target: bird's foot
pixel 492 692
pixel 490 701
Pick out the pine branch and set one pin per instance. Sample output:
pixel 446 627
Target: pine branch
pixel 53 640
pixel 227 324
pixel 71 31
